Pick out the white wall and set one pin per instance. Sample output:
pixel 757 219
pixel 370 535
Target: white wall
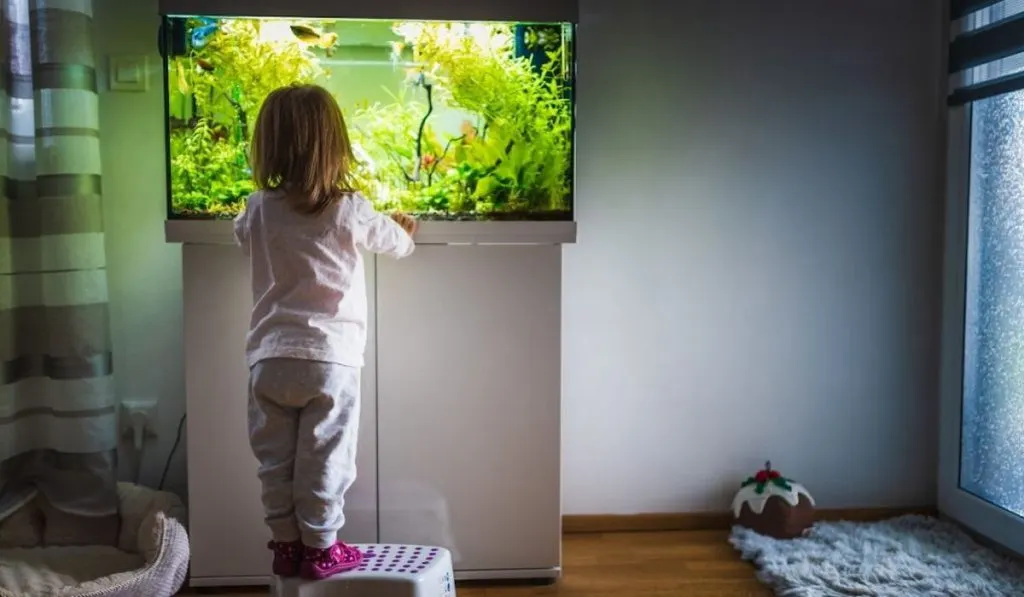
pixel 144 272
pixel 757 272
pixel 759 253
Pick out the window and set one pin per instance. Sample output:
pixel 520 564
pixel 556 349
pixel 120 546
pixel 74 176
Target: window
pixel 992 429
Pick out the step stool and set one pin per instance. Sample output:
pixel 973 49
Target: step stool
pixel 388 570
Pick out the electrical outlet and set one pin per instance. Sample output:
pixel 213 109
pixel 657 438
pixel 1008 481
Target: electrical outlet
pixel 138 420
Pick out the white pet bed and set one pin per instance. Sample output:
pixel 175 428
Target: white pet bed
pixel 148 555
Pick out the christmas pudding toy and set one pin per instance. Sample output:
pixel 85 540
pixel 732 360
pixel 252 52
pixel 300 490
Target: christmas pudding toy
pixel 770 504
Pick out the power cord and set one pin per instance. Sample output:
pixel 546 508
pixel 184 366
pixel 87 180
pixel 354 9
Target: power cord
pixel 139 457
pixel 174 448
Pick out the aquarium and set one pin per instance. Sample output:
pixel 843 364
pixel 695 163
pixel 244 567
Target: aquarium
pixel 448 120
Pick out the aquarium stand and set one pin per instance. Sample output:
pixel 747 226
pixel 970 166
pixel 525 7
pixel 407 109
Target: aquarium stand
pixel 220 232
pixel 461 390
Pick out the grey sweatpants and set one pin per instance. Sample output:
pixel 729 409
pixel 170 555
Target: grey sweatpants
pixel 303 427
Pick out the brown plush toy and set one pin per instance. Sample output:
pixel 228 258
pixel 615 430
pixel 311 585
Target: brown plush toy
pixel 770 504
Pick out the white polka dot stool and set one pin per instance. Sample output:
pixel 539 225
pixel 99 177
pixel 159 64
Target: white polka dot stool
pixel 387 571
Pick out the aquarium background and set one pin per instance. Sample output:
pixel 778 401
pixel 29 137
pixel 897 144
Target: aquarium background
pixel 448 120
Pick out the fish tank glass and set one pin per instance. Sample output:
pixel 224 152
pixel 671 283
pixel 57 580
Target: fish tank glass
pixel 448 120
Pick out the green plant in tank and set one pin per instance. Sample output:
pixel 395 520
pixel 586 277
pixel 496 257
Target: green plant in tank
pixel 216 92
pixel 520 151
pixel 242 63
pixel 206 172
pixel 515 157
pixel 512 154
pixel 382 137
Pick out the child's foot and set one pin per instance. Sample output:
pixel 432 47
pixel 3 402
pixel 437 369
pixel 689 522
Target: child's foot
pixel 287 557
pixel 318 564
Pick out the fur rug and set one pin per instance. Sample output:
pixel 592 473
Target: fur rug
pixel 908 556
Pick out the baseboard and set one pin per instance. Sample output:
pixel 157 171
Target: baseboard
pixel 705 521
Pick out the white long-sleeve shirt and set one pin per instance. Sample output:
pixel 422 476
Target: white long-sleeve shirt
pixel 308 279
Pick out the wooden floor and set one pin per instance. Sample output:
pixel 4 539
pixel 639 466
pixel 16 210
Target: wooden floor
pixel 691 563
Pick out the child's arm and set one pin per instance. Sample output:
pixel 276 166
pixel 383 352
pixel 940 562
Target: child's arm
pixel 383 234
pixel 242 230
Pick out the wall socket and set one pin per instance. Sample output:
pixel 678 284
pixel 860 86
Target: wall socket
pixel 138 420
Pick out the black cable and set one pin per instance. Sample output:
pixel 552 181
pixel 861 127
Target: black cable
pixel 174 448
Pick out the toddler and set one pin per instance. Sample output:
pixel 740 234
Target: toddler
pixel 303 230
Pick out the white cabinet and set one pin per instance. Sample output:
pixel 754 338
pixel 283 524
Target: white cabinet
pixel 460 430
pixel 469 381
pixel 226 530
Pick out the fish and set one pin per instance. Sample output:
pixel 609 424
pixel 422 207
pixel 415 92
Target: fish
pixel 200 35
pixel 329 44
pixel 468 131
pixel 397 47
pixel 204 64
pixel 305 34
pixel 416 77
pixel 308 35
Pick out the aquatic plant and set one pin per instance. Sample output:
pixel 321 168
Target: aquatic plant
pixel 515 158
pixel 207 172
pixel 215 92
pixel 512 157
pixel 241 64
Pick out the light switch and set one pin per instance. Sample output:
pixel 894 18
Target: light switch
pixel 129 73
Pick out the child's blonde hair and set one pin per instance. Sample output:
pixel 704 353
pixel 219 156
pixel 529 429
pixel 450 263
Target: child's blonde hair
pixel 300 145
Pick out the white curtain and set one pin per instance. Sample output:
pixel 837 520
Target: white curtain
pixel 58 413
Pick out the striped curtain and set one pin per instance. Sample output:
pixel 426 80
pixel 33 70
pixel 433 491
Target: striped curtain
pixel 58 415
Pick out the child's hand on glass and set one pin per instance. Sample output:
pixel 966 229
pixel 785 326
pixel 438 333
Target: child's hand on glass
pixel 407 222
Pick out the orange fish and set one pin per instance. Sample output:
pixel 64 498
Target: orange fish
pixel 468 131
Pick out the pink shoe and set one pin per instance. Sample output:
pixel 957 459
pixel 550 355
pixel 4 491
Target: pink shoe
pixel 318 564
pixel 287 557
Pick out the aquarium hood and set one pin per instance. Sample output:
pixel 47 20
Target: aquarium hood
pixel 547 11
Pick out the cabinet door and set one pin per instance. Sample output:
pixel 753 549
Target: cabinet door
pixel 469 376
pixel 225 511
